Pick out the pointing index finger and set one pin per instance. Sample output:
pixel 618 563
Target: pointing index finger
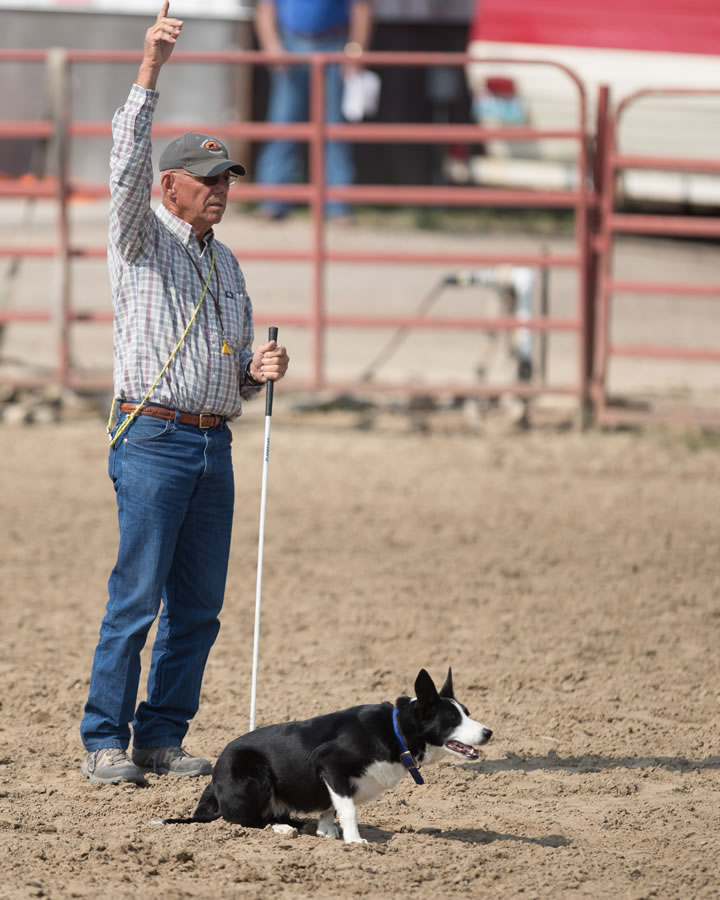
pixel 164 11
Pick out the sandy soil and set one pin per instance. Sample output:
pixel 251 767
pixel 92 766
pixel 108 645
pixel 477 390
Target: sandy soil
pixel 571 580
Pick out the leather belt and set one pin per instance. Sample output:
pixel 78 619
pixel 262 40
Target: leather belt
pixel 199 420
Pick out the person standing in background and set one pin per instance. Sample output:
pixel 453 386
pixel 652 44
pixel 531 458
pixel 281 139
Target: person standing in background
pixel 309 26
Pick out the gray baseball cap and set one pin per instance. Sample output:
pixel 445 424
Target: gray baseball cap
pixel 199 154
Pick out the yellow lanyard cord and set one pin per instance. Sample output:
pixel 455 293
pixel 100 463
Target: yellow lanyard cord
pixel 137 409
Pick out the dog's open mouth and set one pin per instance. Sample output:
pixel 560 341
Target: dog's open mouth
pixel 462 749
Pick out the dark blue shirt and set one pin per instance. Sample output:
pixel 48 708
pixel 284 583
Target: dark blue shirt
pixel 311 16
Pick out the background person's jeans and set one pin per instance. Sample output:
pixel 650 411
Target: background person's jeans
pixel 289 102
pixel 175 495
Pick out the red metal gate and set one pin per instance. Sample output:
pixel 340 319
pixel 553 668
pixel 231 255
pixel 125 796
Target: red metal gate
pixel 598 224
pixel 612 290
pixel 64 129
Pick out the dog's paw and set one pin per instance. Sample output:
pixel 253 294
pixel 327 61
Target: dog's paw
pixel 355 840
pixel 328 830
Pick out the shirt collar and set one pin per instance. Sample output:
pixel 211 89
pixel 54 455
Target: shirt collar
pixel 182 229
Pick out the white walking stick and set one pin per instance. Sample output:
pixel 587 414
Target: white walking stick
pixel 272 336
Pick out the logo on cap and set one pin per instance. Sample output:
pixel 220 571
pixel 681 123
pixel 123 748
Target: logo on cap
pixel 212 146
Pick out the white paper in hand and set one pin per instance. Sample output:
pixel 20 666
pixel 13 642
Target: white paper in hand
pixel 361 95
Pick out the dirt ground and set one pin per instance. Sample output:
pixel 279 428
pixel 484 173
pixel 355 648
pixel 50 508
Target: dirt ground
pixel 571 581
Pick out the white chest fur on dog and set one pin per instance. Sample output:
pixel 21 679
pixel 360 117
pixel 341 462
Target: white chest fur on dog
pixel 378 777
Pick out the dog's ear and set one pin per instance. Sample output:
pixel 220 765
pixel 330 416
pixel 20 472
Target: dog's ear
pixel 425 689
pixel 447 689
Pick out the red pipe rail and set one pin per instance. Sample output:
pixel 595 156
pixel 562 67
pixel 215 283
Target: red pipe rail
pixel 316 132
pixel 612 224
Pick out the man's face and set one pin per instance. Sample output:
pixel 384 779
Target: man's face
pixel 199 200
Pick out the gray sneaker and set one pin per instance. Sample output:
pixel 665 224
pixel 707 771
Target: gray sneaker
pixel 170 761
pixel 110 766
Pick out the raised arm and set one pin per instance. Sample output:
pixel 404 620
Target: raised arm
pixel 160 40
pixel 131 175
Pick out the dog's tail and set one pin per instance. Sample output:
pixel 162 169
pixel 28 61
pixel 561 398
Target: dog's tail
pixel 207 810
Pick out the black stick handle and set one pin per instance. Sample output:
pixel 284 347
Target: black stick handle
pixel 272 336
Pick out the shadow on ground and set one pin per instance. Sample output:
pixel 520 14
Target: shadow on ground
pixel 590 763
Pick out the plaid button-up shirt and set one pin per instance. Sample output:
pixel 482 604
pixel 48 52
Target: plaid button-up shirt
pixel 152 257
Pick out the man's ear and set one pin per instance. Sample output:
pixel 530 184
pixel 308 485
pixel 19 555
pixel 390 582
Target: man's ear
pixel 167 183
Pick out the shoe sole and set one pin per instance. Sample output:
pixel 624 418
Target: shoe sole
pixel 113 779
pixel 147 770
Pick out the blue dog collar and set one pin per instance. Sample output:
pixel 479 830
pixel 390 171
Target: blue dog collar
pixel 406 757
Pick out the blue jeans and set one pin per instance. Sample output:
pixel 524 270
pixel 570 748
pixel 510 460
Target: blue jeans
pixel 289 102
pixel 175 494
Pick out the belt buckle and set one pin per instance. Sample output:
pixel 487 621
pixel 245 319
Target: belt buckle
pixel 210 424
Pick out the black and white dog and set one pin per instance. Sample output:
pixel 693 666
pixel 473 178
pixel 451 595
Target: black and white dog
pixel 330 763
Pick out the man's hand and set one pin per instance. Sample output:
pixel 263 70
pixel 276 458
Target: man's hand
pixel 160 40
pixel 269 362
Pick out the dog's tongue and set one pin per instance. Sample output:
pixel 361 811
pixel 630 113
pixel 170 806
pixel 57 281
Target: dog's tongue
pixel 463 749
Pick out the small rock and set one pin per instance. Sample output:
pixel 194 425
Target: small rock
pixel 16 414
pixel 43 415
pixel 285 830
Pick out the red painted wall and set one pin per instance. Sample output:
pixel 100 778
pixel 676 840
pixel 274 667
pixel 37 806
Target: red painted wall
pixel 670 26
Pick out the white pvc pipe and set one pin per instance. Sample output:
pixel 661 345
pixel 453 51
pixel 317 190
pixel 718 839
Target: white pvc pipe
pixel 258 586
pixel 272 335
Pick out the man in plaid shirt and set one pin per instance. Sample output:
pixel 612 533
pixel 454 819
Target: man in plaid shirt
pixel 183 363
